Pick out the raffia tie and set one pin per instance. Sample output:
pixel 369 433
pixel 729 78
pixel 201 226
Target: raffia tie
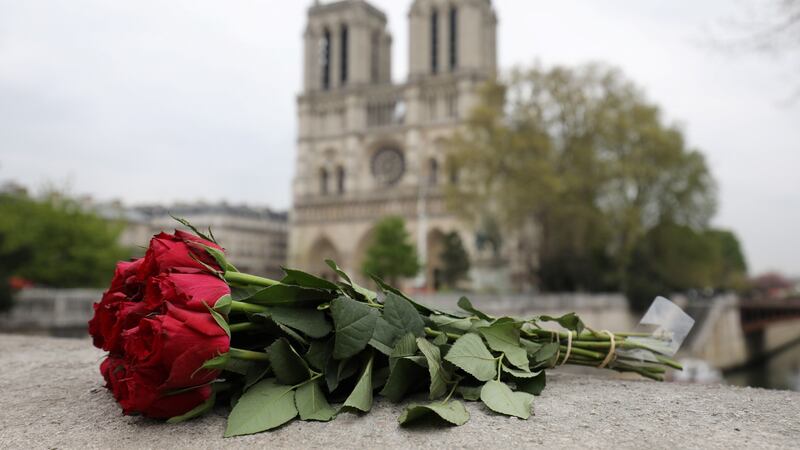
pixel 569 348
pixel 611 351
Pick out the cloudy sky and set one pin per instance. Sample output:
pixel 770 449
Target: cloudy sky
pixel 164 100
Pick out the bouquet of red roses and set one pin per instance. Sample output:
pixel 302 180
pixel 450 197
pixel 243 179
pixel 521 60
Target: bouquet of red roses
pixel 185 330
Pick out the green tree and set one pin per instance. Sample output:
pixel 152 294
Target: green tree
pixel 583 158
pixel 455 260
pixel 55 242
pixel 390 255
pixel 731 267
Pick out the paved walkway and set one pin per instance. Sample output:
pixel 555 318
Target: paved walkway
pixel 51 397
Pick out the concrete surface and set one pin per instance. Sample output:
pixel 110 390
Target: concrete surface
pixel 51 397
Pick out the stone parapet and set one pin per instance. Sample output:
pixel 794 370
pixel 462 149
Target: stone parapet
pixel 51 397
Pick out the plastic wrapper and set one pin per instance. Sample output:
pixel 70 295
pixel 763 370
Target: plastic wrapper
pixel 668 325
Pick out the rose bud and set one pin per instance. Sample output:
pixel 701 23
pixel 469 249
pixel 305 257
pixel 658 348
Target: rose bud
pixel 165 353
pixel 138 395
pixel 179 252
pixel 194 291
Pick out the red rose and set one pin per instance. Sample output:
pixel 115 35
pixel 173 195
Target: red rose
pixel 125 279
pixel 188 290
pixel 136 395
pixel 179 252
pixel 112 313
pixel 165 353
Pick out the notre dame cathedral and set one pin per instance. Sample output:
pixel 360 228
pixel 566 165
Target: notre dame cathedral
pixel 369 148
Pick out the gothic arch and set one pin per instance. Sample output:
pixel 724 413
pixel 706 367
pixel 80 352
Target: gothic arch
pixel 360 253
pixel 321 250
pixel 433 261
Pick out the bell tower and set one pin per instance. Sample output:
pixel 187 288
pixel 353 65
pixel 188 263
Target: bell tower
pixel 345 44
pixel 452 37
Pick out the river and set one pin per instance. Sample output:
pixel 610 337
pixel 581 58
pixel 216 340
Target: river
pixel 780 371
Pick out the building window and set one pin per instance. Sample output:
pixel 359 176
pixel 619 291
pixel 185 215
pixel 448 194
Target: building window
pixel 323 181
pixel 374 55
pixel 325 59
pixel 435 41
pixel 453 38
pixel 345 45
pixel 340 180
pixel 433 172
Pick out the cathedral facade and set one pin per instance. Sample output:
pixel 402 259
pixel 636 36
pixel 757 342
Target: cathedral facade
pixel 369 148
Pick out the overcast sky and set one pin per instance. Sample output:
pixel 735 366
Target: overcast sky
pixel 164 100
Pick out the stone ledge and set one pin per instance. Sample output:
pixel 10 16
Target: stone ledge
pixel 51 397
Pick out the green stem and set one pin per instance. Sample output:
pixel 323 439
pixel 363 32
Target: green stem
pixel 247 307
pixel 669 362
pixel 433 333
pixel 583 352
pixel 247 355
pixel 500 365
pixel 245 278
pixel 244 326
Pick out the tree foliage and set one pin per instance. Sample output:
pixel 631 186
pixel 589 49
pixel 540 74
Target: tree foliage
pixel 584 157
pixel 54 242
pixel 390 255
pixel 455 260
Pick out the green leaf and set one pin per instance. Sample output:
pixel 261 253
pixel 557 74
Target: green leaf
pixel 471 393
pixel 452 412
pixel 264 406
pixel 288 366
pixel 383 337
pixel 337 371
pixel 466 305
pixel 361 397
pixel 197 411
pixel 219 257
pixel 546 352
pixel 363 292
pixel 223 305
pixel 290 295
pixel 449 323
pixel 401 315
pixel 244 293
pixel 300 278
pixel 438 374
pixel 500 398
pixel 470 354
pixel 404 375
pixel 569 321
pixel 399 318
pixel 219 319
pixel 386 288
pixel 309 321
pixel 239 366
pixel 319 353
pixel 405 346
pixel 255 372
pixel 533 385
pixel 504 337
pixel 312 404
pixel 354 323
pixel 517 373
pixel 292 334
pixel 530 347
pixel 440 340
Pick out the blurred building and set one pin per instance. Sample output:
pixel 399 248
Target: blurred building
pixel 369 148
pixel 254 238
